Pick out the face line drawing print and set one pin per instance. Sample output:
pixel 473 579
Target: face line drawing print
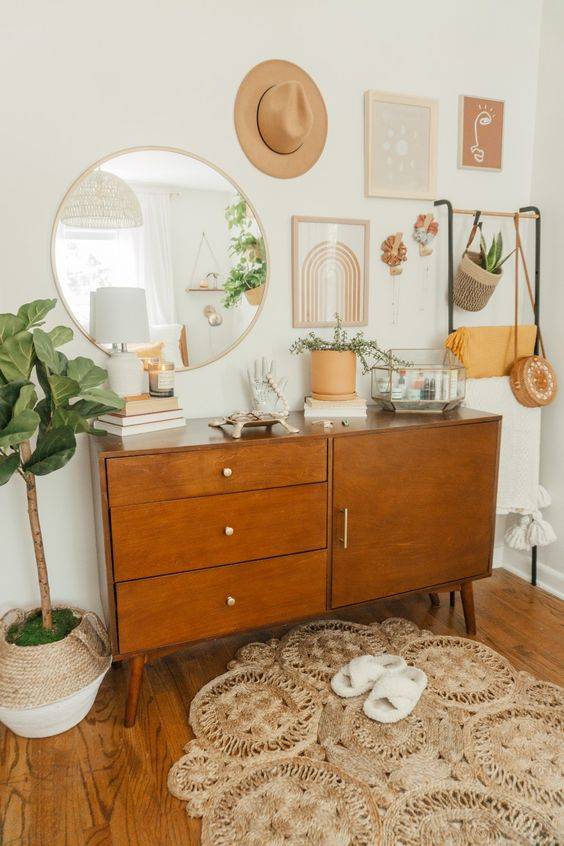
pixel 484 118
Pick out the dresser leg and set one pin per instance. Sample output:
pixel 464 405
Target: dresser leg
pixel 467 595
pixel 136 667
pixel 452 598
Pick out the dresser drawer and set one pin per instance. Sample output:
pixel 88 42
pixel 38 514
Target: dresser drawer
pixel 237 467
pixel 190 606
pixel 190 534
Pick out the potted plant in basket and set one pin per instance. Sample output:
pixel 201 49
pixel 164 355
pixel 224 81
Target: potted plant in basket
pixel 479 273
pixel 248 274
pixel 333 361
pixel 52 660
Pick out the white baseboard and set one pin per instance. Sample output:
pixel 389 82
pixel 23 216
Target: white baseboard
pixel 519 564
pixel 498 552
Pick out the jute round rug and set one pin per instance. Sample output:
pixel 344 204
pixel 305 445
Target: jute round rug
pixel 279 760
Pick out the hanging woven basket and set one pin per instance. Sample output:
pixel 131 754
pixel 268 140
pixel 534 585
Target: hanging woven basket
pixel 254 295
pixel 473 285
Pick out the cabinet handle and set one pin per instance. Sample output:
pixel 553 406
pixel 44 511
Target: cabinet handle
pixel 227 472
pixel 345 539
pixel 230 601
pixel 229 531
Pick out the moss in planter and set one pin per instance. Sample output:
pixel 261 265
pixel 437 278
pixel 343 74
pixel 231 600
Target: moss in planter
pixel 32 633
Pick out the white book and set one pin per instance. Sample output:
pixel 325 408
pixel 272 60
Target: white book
pixel 136 419
pixel 144 403
pixel 358 402
pixel 333 411
pixel 141 428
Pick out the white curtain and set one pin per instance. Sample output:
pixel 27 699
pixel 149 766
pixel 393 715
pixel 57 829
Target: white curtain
pixel 153 255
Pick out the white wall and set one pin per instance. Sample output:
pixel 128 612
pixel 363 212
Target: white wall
pixel 548 191
pixel 82 83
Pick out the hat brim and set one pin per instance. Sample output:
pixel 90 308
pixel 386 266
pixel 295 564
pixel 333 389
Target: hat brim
pixel 257 81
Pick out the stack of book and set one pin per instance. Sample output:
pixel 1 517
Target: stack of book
pixel 335 408
pixel 142 414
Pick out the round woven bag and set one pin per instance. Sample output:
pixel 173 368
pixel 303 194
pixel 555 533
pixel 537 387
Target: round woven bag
pixel 533 381
pixel 532 378
pixel 473 286
pixel 31 676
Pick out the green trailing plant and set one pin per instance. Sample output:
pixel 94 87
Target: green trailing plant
pixel 491 256
pixel 236 213
pixel 368 352
pixel 46 399
pixel 249 269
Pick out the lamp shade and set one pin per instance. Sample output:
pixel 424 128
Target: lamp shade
pixel 119 316
pixel 102 201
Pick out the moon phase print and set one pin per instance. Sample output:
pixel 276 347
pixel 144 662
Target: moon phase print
pixel 400 146
pixel 480 136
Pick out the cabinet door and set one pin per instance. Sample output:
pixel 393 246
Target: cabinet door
pixel 419 508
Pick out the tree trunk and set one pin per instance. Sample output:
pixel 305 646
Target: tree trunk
pixel 35 525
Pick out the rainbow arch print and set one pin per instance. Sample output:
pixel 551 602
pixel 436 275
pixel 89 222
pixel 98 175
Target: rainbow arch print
pixel 331 280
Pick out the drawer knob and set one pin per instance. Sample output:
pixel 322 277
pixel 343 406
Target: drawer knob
pixel 230 601
pixel 229 531
pixel 227 472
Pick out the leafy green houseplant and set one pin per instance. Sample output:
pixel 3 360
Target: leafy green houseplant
pixel 490 257
pixel 248 274
pixel 46 399
pixel 333 361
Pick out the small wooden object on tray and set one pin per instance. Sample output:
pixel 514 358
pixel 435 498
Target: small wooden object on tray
pixel 241 419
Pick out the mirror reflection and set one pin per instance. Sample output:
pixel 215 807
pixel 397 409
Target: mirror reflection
pixel 172 224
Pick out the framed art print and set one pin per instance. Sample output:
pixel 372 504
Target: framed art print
pixel 330 271
pixel 480 132
pixel 400 156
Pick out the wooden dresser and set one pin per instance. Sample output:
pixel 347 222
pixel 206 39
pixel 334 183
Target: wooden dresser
pixel 202 536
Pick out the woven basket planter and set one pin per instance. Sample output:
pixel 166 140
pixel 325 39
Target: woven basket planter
pixel 473 286
pixel 47 689
pixel 254 295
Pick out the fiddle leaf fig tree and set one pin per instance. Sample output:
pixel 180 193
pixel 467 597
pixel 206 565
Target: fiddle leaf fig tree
pixel 46 399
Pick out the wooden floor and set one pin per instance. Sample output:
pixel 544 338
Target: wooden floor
pixel 103 785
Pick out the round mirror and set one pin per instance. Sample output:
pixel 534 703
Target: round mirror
pixel 176 226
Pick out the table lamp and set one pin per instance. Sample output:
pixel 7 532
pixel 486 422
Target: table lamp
pixel 118 316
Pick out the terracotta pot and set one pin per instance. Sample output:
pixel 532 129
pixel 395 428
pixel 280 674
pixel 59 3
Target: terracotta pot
pixel 254 295
pixel 333 375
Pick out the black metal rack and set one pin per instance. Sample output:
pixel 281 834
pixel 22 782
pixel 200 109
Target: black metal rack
pixel 531 212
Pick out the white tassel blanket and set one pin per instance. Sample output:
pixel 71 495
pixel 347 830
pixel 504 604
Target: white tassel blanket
pixel 519 461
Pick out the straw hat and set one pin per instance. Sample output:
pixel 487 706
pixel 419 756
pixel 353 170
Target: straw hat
pixel 280 118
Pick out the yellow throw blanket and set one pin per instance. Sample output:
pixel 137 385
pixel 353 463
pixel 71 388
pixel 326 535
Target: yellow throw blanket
pixel 488 350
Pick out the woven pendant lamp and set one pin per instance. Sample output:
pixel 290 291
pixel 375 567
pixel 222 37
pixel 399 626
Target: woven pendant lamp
pixel 102 201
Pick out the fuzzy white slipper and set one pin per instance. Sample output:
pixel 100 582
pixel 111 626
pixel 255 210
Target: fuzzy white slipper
pixel 360 674
pixel 394 697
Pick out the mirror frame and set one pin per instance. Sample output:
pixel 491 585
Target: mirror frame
pixel 201 159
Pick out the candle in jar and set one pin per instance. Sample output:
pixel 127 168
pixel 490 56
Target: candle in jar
pixel 161 378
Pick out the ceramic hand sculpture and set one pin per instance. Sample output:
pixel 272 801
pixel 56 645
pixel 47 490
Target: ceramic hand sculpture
pixel 266 390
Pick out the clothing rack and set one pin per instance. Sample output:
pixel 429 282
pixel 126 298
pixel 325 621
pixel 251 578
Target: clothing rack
pixel 526 212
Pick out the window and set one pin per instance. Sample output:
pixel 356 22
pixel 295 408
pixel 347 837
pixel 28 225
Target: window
pixel 88 259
